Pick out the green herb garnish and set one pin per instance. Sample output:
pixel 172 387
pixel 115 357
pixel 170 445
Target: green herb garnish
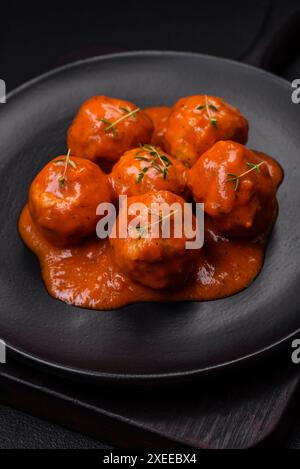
pixel 142 229
pixel 111 127
pixel 209 107
pixel 156 160
pixel 237 178
pixel 66 161
pixel 142 174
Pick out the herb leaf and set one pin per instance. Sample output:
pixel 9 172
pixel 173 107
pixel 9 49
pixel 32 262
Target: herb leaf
pixel 255 167
pixel 237 178
pixel 112 126
pixel 142 174
pixel 209 107
pixel 166 160
pixel 142 229
pixel 65 162
pixel 125 109
pixel 158 161
pixel 141 158
pixel 214 123
pixel 105 121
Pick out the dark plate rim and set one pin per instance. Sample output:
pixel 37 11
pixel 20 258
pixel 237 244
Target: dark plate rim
pixel 149 378
pixel 161 377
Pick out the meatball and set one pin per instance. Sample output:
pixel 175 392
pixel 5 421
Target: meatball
pixel 236 188
pixel 160 116
pixel 198 122
pixel 64 196
pixel 105 128
pixel 144 253
pixel 148 169
pixel 275 170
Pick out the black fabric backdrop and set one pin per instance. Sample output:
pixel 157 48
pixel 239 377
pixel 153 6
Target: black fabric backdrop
pixel 35 41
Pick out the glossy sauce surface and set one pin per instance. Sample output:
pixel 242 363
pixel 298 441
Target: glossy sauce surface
pixel 125 174
pixel 87 275
pixel 237 186
pixel 88 136
pixel 196 123
pixel 160 116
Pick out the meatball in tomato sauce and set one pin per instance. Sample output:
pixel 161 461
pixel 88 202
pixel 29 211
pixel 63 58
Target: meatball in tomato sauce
pixel 237 189
pixel 275 170
pixel 64 196
pixel 105 128
pixel 144 254
pixel 146 169
pixel 197 122
pixel 160 116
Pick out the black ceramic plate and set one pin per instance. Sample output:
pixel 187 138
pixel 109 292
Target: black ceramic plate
pixel 143 341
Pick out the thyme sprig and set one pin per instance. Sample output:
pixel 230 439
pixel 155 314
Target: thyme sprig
pixel 156 160
pixel 111 127
pixel 237 178
pixel 209 107
pixel 128 110
pixel 143 229
pixel 65 162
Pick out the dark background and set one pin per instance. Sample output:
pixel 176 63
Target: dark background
pixel 33 41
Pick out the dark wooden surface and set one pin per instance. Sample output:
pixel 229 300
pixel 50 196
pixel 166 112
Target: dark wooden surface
pixel 241 410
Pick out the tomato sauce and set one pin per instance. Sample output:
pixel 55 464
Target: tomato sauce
pixel 87 275
pixel 237 186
